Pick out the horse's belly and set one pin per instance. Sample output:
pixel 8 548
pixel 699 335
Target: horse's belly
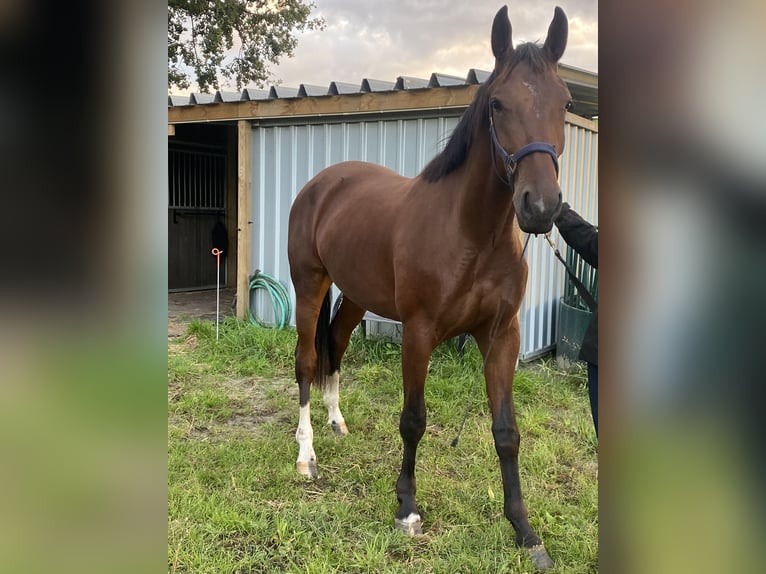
pixel 369 286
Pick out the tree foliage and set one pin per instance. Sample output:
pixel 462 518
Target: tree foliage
pixel 203 36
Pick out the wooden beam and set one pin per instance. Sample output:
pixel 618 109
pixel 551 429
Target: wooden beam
pixel 171 129
pixel 582 122
pixel 244 192
pixel 232 195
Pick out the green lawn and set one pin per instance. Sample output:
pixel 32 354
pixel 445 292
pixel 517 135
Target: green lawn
pixel 236 503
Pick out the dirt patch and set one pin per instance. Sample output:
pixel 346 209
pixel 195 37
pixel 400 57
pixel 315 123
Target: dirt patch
pixel 253 405
pixel 254 391
pixel 185 306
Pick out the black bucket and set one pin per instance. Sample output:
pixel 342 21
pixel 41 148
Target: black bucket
pixel 572 324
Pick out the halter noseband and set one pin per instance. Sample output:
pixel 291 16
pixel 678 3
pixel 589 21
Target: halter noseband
pixel 511 161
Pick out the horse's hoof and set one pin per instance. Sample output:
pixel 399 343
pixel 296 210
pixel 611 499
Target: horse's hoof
pixel 411 525
pixel 540 557
pixel 339 429
pixel 307 469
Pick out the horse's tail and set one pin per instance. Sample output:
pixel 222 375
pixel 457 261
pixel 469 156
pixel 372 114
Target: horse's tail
pixel 323 342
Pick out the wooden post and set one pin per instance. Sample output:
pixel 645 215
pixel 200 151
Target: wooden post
pixel 232 222
pixel 244 191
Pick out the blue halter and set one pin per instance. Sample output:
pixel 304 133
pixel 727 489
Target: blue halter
pixel 511 161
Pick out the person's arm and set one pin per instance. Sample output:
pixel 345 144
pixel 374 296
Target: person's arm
pixel 579 234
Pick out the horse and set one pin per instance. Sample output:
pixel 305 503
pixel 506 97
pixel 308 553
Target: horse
pixel 438 252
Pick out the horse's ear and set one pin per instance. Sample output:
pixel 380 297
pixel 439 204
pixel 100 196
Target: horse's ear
pixel 558 31
pixel 502 46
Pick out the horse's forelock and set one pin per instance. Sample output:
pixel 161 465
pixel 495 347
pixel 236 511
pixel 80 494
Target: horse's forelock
pixel 531 54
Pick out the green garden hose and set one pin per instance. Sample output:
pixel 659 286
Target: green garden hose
pixel 280 299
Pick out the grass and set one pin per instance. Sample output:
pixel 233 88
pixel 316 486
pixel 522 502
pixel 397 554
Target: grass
pixel 236 503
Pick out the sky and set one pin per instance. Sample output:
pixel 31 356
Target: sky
pixel 384 39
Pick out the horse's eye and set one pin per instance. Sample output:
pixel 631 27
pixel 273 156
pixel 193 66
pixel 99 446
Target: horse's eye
pixel 496 105
pixel 570 106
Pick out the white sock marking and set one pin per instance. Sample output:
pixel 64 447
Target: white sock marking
pixel 331 397
pixel 411 518
pixel 305 436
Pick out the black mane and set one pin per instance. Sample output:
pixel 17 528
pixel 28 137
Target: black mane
pixel 454 154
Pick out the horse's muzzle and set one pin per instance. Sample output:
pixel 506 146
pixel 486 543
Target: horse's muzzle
pixel 536 210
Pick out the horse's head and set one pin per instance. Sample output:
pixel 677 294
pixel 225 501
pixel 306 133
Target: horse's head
pixel 527 103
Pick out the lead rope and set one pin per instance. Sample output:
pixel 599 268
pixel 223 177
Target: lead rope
pixel 581 289
pixel 453 444
pixel 455 440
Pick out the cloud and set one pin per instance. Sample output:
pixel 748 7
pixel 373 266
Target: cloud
pixel 383 40
pixel 582 48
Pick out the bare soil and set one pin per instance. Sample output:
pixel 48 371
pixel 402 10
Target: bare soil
pixel 185 306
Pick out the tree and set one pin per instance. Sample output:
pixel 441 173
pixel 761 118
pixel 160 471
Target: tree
pixel 202 35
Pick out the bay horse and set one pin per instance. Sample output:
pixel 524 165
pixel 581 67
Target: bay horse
pixel 438 252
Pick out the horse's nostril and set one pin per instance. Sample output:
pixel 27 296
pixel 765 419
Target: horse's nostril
pixel 525 200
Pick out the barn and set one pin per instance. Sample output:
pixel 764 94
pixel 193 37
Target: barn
pixel 236 161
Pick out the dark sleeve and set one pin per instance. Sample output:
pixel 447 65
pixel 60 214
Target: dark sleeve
pixel 579 234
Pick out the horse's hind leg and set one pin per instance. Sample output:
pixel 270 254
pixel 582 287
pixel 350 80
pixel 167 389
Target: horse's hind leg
pixel 309 298
pixel 347 318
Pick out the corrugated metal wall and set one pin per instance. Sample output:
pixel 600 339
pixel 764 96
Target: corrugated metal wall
pixel 545 285
pixel 286 153
pixel 285 156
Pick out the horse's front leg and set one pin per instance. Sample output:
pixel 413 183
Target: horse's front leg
pixel 500 348
pixel 416 350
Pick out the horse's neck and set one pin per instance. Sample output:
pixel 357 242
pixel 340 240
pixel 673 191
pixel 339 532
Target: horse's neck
pixel 484 204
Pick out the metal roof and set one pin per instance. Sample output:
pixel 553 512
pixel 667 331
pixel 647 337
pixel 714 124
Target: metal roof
pixel 282 92
pixel 410 83
pixel 582 84
pixel 223 97
pixel 309 90
pixel 370 85
pixel 197 98
pixel 477 76
pixel 178 101
pixel 440 80
pixel 254 94
pixel 340 88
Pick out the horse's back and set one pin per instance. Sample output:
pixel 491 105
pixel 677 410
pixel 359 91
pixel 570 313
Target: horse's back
pixel 350 190
pixel 343 221
pixel 353 179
